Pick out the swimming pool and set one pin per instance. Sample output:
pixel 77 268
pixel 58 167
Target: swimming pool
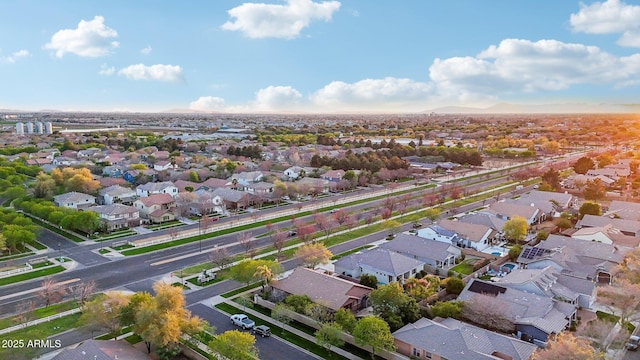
pixel 509 267
pixel 496 251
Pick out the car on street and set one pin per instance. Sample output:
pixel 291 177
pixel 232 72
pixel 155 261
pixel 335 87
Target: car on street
pixel 242 321
pixel 262 330
pixel 417 225
pixel 633 343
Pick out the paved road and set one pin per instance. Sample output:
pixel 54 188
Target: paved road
pixel 269 348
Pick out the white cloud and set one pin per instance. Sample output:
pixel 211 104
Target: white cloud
pixel 146 50
pixel 277 97
pixel 258 20
pixel 372 93
pixel 158 72
pixel 106 70
pixel 15 56
pixel 208 103
pixel 610 17
pixel 90 39
pixel 517 66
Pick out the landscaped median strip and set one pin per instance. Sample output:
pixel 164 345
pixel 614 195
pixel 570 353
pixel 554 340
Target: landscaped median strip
pixel 32 275
pixel 254 224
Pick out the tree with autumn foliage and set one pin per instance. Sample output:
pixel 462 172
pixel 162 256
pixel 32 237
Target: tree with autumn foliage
pixel 314 254
pixel 164 319
pixel 566 346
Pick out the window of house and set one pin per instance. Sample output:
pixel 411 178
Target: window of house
pixel 416 352
pixel 427 355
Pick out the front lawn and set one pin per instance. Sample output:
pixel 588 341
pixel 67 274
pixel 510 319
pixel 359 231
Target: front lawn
pixel 31 275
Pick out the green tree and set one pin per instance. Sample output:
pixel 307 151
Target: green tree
pixel 282 313
pixel 394 306
pixel 235 345
pixel 583 165
pixel 369 280
pixel 432 214
pixel 245 271
pixel 552 177
pixel 298 302
pixel 103 312
pixel 594 190
pixel 345 319
pixel 590 208
pixel 445 309
pixel 454 285
pixel 128 312
pixel 16 236
pixel 516 229
pixel 515 252
pixel 329 335
pixel 373 331
pixel 194 177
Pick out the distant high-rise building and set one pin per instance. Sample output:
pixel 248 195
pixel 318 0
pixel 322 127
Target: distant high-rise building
pixel 20 128
pixel 48 128
pixel 39 128
pixel 29 128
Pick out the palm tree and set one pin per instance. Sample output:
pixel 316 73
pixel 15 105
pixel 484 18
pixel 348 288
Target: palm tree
pixel 265 273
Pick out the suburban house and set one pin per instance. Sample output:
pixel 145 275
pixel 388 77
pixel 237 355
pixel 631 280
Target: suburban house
pixel 478 237
pixel 436 254
pixel 624 210
pixel 234 199
pixel 113 171
pixel 117 216
pixel 244 179
pixel 386 265
pixel 165 187
pixel 207 203
pixel 484 218
pixel 327 290
pixel 163 165
pixel 116 194
pixel 550 203
pixel 333 175
pixel 314 186
pixel 612 173
pixel 262 189
pixel 135 176
pixel 295 172
pixel 607 234
pixel 578 180
pixel 506 210
pixel 156 208
pixel 455 340
pixel 590 260
pixel 74 200
pixel 551 283
pixel 101 350
pixel 438 233
pixel 626 227
pixel 534 317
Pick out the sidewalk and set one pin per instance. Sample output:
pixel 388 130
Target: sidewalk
pixel 212 302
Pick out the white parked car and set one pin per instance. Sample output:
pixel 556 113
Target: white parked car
pixel 242 321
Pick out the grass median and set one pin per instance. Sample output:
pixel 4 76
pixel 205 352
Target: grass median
pixel 31 275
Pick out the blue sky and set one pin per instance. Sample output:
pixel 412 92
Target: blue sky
pixel 315 56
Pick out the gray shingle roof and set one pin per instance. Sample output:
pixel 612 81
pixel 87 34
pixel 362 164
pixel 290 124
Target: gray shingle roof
pixel 415 245
pixel 454 339
pixel 384 260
